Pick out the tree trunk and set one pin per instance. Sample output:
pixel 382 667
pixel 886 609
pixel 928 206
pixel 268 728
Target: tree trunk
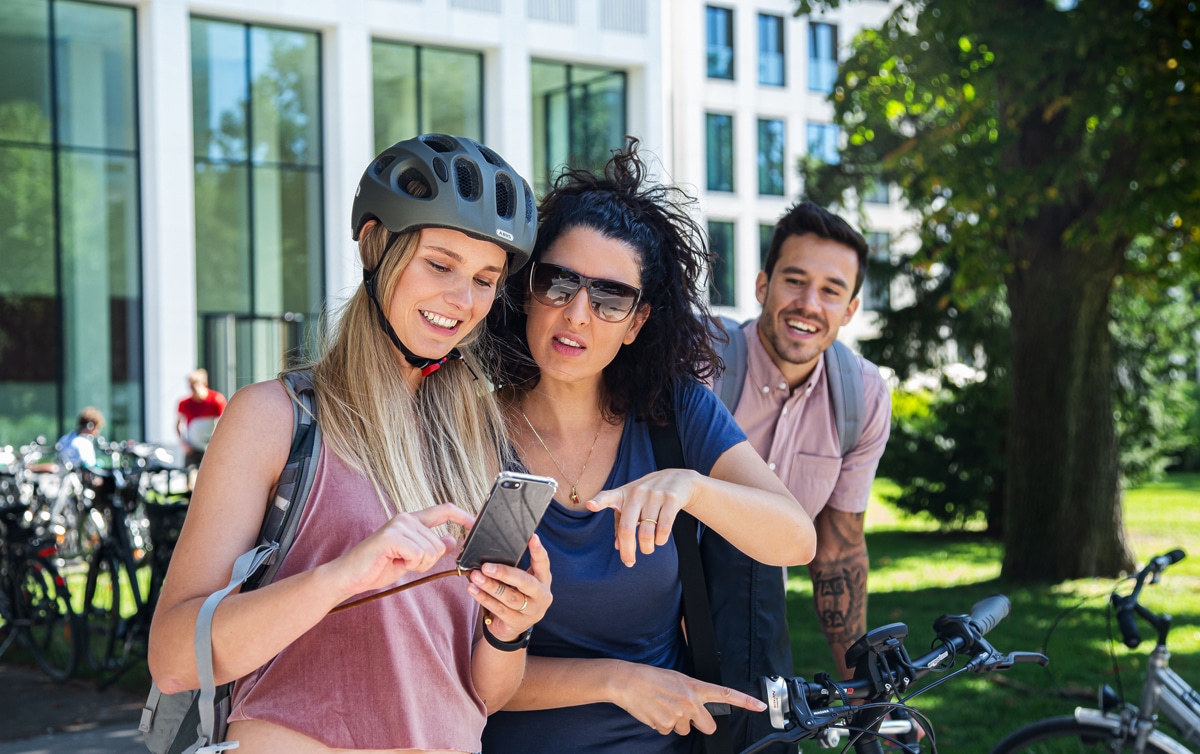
pixel 1062 517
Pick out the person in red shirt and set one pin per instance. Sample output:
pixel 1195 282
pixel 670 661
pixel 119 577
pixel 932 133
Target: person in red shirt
pixel 198 414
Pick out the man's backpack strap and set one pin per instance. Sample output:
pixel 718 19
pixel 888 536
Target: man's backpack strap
pixel 846 392
pixel 702 643
pixel 728 385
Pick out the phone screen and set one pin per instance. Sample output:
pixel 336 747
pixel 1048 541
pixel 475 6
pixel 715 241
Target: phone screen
pixel 507 520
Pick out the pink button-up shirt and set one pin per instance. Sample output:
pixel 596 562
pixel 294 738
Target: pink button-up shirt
pixel 794 431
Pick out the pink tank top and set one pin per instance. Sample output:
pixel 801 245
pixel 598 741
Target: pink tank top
pixel 390 674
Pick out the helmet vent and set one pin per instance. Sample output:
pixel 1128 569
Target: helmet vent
pixel 528 202
pixel 466 177
pixel 440 142
pixel 439 167
pixel 414 183
pixel 505 196
pixel 491 156
pixel 382 163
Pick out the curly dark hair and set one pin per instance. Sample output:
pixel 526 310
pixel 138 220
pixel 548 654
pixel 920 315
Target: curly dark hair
pixel 674 344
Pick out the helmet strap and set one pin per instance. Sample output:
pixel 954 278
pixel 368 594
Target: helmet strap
pixel 427 365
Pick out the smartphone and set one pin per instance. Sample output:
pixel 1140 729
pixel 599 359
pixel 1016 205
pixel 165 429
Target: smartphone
pixel 507 520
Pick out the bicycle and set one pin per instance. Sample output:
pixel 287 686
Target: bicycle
pixel 35 602
pixel 822 709
pixel 141 520
pixel 1118 726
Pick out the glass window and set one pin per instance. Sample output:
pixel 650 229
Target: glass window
pixel 823 142
pixel 70 293
pixel 822 57
pixel 720 243
pixel 578 118
pixel 877 295
pixel 425 89
pixel 719 25
pixel 877 193
pixel 765 233
pixel 770 50
pixel 770 157
pixel 719 151
pixel 256 94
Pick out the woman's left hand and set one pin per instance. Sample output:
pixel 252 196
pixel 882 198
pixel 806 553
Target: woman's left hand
pixel 515 599
pixel 645 509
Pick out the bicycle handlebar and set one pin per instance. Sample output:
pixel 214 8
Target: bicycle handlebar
pixel 883 670
pixel 1128 607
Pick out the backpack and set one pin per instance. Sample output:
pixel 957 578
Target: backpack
pixel 748 598
pixel 195 721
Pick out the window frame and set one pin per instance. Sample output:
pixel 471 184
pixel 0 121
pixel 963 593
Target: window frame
pixel 765 55
pixel 713 179
pixel 720 41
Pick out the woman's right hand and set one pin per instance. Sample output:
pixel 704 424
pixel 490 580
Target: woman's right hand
pixel 669 701
pixel 406 543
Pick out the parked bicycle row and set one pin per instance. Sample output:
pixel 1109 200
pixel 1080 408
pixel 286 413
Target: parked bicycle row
pixel 84 551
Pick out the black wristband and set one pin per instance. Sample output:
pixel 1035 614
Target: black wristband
pixel 515 645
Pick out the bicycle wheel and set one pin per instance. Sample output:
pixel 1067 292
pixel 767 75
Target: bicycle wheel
pixel 101 609
pixel 44 615
pixel 1066 735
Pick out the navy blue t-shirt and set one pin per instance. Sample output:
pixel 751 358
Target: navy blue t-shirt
pixel 603 609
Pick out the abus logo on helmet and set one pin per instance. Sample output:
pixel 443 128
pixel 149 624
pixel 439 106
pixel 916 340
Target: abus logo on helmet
pixel 504 234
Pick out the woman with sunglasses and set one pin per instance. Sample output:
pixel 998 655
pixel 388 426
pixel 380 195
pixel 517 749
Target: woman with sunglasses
pixel 410 448
pixel 599 341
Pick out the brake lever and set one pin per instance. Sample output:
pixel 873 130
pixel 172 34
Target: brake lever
pixel 992 660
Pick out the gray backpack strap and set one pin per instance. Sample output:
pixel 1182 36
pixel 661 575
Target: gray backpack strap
pixel 296 479
pixel 246 564
pixel 728 386
pixel 846 392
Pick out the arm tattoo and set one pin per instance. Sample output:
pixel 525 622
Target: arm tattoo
pixel 839 578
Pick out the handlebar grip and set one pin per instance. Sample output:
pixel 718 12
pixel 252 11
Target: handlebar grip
pixel 1127 622
pixel 989 611
pixel 1167 559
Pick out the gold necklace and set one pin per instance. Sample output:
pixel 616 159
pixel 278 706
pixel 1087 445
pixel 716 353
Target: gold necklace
pixel 574 494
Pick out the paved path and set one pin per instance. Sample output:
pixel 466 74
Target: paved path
pixel 43 717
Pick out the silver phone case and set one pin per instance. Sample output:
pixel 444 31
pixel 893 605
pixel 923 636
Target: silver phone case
pixel 507 520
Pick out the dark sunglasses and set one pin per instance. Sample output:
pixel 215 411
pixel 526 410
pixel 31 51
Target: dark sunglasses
pixel 611 300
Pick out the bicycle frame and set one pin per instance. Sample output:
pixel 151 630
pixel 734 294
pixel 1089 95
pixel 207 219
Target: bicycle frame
pixel 1165 690
pixel 1119 725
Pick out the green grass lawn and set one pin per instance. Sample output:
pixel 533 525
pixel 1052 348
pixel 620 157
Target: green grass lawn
pixel 918 574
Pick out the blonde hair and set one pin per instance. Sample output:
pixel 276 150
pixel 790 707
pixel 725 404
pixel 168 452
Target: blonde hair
pixel 442 444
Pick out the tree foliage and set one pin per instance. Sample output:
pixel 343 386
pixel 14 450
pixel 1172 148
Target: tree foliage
pixel 1039 143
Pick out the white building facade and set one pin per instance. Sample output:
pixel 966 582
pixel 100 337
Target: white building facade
pixel 176 176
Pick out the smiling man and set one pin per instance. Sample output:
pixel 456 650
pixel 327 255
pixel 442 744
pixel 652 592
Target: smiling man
pixel 808 290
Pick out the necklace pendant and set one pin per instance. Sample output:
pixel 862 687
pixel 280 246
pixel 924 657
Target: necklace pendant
pixel 574 495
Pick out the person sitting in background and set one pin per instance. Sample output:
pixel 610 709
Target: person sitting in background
pixel 77 449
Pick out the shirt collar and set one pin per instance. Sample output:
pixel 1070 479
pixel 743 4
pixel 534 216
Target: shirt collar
pixel 766 377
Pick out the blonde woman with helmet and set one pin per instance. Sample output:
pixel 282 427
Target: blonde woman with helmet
pixel 411 445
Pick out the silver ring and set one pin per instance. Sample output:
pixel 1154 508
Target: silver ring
pixel 524 605
pixel 499 590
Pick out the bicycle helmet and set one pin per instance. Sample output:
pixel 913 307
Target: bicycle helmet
pixel 441 181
